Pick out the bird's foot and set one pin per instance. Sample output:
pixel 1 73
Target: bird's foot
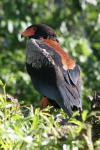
pixel 44 102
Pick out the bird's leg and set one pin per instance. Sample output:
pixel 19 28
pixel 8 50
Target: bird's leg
pixel 44 102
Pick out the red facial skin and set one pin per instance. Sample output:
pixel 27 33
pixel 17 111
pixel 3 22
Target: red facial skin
pixel 28 32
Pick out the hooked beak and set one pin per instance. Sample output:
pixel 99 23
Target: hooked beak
pixel 28 32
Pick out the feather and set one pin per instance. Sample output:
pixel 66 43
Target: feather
pixel 50 78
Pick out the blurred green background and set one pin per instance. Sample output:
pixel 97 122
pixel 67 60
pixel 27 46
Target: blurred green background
pixel 77 24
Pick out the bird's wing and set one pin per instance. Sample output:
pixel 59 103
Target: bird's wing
pixel 71 74
pixel 67 75
pixel 73 85
pixel 70 89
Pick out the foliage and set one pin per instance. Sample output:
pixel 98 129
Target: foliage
pixel 77 24
pixel 23 128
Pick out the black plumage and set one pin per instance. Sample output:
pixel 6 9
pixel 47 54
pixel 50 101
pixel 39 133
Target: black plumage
pixel 53 73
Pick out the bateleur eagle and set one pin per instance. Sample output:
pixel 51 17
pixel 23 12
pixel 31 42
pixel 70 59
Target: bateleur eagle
pixel 53 72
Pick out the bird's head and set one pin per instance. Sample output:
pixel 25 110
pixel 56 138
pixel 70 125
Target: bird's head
pixel 39 31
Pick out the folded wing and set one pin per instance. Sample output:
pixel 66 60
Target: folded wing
pixel 67 80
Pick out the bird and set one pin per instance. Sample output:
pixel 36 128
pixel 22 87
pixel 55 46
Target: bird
pixel 53 72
